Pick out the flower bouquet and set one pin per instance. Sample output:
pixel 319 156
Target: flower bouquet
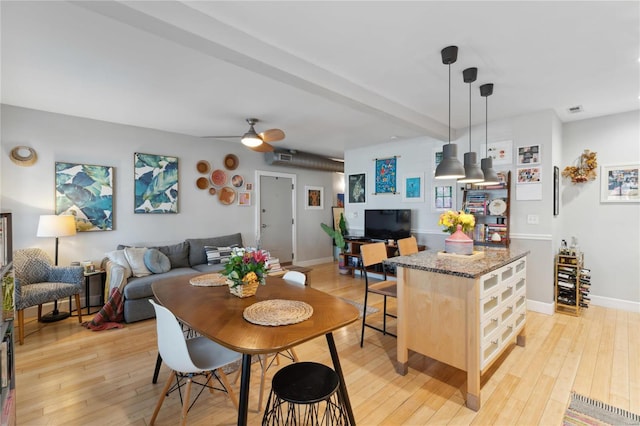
pixel 245 270
pixel 450 220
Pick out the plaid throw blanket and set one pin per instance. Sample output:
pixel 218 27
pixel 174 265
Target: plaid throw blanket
pixel 111 315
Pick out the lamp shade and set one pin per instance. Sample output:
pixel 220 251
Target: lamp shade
pixel 51 225
pixel 251 138
pixel 450 167
pixel 472 171
pixel 490 175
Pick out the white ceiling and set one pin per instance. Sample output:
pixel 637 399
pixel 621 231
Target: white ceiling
pixel 332 75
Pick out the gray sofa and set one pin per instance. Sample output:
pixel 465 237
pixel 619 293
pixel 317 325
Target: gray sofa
pixel 187 257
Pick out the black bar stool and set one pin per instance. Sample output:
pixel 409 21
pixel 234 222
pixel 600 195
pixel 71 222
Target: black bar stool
pixel 305 393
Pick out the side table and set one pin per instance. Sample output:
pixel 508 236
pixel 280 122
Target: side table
pixel 87 280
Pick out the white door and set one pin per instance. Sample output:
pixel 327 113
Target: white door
pixel 276 225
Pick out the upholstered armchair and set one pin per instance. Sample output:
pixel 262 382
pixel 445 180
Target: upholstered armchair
pixel 38 281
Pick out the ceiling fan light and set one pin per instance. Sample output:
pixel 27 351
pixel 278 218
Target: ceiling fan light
pixel 251 139
pixel 450 167
pixel 490 175
pixel 472 171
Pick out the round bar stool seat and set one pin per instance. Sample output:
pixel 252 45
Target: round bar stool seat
pixel 304 393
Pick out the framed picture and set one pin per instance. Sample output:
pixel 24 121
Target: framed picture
pixel 314 196
pixel 529 154
pixel 386 176
pixel 528 175
pixel 443 197
pixel 248 187
pixel 556 191
pixel 357 185
pixel 156 183
pixel 437 156
pixel 619 184
pixel 244 199
pixel 500 152
pixel 413 188
pixel 85 191
pixel 340 200
pixel 336 212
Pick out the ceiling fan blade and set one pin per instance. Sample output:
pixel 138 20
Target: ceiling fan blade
pixel 263 147
pixel 272 135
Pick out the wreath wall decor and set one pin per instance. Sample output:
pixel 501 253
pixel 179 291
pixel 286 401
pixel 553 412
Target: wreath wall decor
pixel 585 170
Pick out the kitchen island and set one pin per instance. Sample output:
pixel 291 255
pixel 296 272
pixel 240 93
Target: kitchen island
pixel 463 312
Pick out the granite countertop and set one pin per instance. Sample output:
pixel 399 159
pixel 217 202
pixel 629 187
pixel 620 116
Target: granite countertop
pixel 429 260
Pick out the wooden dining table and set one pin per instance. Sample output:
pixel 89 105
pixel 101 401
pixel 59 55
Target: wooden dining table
pixel 217 314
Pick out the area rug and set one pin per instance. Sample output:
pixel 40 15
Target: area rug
pixel 370 309
pixel 585 411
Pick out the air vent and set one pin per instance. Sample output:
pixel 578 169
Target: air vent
pixel 303 160
pixel 575 109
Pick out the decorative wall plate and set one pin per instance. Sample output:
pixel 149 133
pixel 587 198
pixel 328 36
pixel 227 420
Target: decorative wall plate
pixel 23 156
pixel 212 191
pixel 231 162
pixel 227 195
pixel 218 177
pixel 497 207
pixel 202 183
pixel 237 181
pixel 203 167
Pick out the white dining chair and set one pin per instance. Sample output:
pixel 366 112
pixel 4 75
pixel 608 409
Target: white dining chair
pixel 188 358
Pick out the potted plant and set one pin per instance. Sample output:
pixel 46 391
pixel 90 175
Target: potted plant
pixel 338 239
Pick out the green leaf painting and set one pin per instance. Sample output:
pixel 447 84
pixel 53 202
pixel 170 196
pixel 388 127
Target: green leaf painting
pixel 156 183
pixel 85 191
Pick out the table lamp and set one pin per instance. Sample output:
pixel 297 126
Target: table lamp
pixel 52 225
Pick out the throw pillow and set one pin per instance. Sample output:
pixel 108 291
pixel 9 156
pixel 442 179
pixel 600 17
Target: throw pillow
pixel 217 255
pixel 178 254
pixel 135 257
pixel 156 261
pixel 118 257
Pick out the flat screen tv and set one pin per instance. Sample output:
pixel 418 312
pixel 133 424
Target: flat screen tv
pixel 387 224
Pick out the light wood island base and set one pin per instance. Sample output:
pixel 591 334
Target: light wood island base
pixel 465 320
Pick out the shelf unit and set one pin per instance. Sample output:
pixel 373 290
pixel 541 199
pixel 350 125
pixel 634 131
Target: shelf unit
pixel 7 367
pixel 572 283
pixel 478 200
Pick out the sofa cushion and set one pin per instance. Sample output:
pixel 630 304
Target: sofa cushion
pixel 217 255
pixel 197 255
pixel 156 261
pixel 140 287
pixel 118 257
pixel 135 257
pixel 178 254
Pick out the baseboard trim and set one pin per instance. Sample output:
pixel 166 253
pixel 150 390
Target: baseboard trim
pixel 541 307
pixel 609 302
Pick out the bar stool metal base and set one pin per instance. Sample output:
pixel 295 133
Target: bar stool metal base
pixel 305 393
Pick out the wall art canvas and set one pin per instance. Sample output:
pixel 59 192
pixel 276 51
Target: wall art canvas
pixel 443 197
pixel 529 154
pixel 413 188
pixel 619 184
pixel 386 176
pixel 357 187
pixel 314 196
pixel 156 183
pixel 86 191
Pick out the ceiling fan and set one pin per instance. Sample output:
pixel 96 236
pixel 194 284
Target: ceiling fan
pixel 257 141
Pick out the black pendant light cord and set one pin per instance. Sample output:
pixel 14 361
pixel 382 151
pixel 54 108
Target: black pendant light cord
pixel 486 126
pixel 469 116
pixel 449 103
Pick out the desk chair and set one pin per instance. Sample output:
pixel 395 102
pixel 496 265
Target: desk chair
pixel 374 254
pixel 188 358
pixel 293 277
pixel 408 246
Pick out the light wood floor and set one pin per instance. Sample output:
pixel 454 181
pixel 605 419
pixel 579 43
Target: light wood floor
pixel 69 375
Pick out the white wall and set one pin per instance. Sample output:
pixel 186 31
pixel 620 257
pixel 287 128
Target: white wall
pixel 608 234
pixel 28 192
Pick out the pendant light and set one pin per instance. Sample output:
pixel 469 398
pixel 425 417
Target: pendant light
pixel 450 167
pixel 490 175
pixel 472 171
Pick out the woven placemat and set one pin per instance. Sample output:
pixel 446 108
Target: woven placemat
pixel 209 280
pixel 277 312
